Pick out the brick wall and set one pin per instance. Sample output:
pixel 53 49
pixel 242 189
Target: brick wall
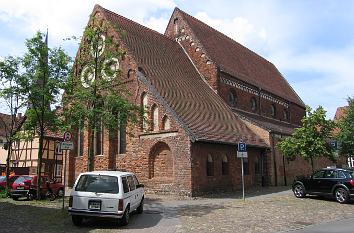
pixel 232 181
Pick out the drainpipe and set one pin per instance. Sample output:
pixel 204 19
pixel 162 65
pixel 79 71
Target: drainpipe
pixel 274 161
pixel 259 101
pixel 285 183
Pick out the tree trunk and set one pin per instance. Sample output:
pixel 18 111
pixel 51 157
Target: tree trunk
pixel 39 165
pixel 91 150
pixel 313 169
pixel 9 152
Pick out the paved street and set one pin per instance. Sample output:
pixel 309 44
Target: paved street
pixel 338 226
pixel 266 210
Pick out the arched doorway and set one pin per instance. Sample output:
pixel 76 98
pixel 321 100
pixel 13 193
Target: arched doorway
pixel 160 162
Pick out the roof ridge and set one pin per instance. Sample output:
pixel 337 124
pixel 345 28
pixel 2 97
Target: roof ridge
pixel 224 35
pixel 131 21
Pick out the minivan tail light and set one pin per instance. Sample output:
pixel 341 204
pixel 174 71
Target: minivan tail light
pixel 351 182
pixel 120 204
pixel 71 201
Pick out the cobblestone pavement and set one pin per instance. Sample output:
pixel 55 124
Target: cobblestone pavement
pixel 267 210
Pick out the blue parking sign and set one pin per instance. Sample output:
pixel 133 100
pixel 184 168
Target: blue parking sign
pixel 241 147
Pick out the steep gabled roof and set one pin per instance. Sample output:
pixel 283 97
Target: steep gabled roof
pixel 201 111
pixel 340 113
pixel 240 62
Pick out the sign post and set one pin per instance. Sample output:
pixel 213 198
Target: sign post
pixel 242 153
pixel 66 145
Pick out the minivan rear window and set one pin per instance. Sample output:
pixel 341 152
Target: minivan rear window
pixel 98 184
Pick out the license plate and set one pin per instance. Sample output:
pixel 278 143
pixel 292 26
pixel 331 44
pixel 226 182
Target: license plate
pixel 20 187
pixel 94 205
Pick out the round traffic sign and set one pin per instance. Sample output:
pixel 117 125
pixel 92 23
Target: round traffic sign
pixel 67 136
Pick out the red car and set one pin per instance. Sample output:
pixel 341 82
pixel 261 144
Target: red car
pixel 3 181
pixel 26 186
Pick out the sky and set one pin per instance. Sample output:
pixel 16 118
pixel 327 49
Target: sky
pixel 311 42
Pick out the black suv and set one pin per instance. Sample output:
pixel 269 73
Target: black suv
pixel 336 182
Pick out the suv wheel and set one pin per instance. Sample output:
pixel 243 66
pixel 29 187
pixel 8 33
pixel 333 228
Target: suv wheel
pixel 125 219
pixel 299 191
pixel 140 208
pixel 341 195
pixel 76 219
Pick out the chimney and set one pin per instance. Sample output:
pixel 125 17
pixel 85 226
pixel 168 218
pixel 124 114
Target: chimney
pixel 19 115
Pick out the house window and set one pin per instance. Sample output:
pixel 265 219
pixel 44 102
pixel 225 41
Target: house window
pixel 130 74
pixel 155 118
pixel 231 98
pixel 285 115
pixel 58 170
pixel 246 170
pixel 224 166
pixel 80 141
pixel 273 111
pixel 210 166
pixel 175 25
pixel 253 104
pixel 166 125
pixel 144 104
pixel 99 139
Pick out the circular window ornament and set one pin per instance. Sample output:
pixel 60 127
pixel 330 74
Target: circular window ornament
pixel 110 68
pixel 100 46
pixel 87 77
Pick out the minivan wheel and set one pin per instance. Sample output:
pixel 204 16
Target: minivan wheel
pixel 140 208
pixel 77 220
pixel 299 191
pixel 125 219
pixel 341 195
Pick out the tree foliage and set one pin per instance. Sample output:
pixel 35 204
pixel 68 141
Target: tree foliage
pixel 96 96
pixel 345 137
pixel 10 95
pixel 42 76
pixel 311 140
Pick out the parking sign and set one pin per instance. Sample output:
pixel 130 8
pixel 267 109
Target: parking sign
pixel 241 147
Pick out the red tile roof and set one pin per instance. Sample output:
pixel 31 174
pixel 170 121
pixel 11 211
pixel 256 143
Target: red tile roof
pixel 340 113
pixel 240 62
pixel 199 110
pixel 267 123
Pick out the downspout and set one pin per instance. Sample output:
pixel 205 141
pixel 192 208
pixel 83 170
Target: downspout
pixel 259 101
pixel 284 170
pixel 274 161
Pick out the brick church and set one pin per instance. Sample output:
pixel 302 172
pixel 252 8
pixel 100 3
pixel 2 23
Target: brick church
pixel 204 93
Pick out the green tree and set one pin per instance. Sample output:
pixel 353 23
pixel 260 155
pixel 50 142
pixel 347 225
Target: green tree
pixel 45 71
pixel 96 97
pixel 345 137
pixel 10 95
pixel 311 140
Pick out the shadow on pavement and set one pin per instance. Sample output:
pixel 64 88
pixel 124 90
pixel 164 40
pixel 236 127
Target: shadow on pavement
pixel 25 216
pixel 249 192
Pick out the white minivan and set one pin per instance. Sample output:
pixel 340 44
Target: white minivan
pixel 109 194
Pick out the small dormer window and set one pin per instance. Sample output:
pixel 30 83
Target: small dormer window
pixel 273 111
pixel 253 104
pixel 232 98
pixel 286 115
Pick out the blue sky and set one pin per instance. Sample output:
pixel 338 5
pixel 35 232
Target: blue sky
pixel 310 42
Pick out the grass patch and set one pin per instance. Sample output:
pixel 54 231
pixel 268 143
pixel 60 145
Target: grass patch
pixel 3 193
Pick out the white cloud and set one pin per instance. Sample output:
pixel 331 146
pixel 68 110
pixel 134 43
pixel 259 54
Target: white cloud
pixel 238 28
pixel 66 18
